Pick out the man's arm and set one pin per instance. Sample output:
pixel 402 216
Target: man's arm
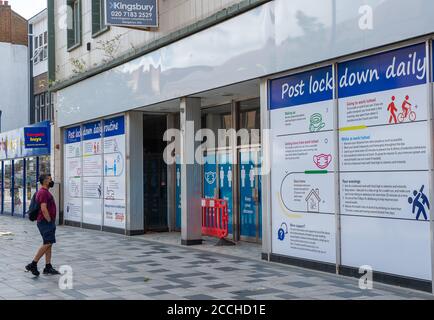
pixel 45 212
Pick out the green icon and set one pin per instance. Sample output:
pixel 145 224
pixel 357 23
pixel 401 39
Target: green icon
pixel 316 123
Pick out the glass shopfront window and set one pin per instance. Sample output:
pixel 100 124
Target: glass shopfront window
pixel 18 186
pixel 7 189
pixel 44 165
pixel 31 179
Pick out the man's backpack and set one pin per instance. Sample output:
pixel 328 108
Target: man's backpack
pixel 34 208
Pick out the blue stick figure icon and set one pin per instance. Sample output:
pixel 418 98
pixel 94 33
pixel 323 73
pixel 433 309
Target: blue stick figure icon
pixel 283 231
pixel 419 201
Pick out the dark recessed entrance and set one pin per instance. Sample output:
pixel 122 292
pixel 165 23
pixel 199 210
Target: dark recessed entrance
pixel 155 174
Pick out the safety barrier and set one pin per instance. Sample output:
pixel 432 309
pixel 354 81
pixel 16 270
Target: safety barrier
pixel 215 218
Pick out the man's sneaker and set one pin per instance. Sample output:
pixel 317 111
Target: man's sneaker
pixel 50 270
pixel 33 269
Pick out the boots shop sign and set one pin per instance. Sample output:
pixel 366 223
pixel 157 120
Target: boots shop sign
pixel 132 13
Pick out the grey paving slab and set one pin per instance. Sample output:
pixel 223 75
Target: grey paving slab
pixel 156 267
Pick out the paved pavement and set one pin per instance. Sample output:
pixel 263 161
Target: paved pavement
pixel 108 266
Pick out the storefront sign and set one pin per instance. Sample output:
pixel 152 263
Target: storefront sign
pixel 92 173
pixel 303 161
pixel 384 162
pixel 73 174
pixel 302 88
pixel 114 192
pixel 133 13
pixel 33 140
pixel 36 137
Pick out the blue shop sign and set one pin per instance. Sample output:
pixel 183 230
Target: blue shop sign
pixel 302 88
pixel 114 126
pixel 92 131
pixel 133 13
pixel 36 137
pixel 395 69
pixel 73 135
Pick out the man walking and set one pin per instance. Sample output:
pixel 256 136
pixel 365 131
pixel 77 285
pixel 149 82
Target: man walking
pixel 46 222
pixel 392 109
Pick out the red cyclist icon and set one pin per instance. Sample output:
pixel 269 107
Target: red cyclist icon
pixel 407 112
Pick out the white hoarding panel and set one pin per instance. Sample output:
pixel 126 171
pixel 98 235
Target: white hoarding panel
pixel 303 166
pixel 73 174
pixel 114 167
pixel 384 162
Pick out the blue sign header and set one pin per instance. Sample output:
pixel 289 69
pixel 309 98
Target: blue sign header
pixel 73 135
pixel 385 71
pixel 92 130
pixel 36 137
pixel 114 126
pixel 138 13
pixel 307 87
pixel 32 140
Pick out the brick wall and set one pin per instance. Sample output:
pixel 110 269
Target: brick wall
pixel 13 27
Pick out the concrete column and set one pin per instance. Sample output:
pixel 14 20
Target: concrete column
pixel 191 193
pixel 171 183
pixel 235 111
pixel 134 183
pixel 266 179
pixel 56 163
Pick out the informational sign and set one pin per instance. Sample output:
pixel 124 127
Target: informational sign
pixel 73 174
pixel 33 140
pixel 36 137
pixel 384 162
pixel 303 165
pixel 210 176
pixel 92 173
pixel 225 180
pixel 133 13
pixel 250 201
pixel 114 173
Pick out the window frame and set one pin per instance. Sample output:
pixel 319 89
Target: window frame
pixel 102 26
pixel 74 35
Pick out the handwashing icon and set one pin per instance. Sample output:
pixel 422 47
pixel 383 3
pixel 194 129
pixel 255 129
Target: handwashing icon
pixel 316 123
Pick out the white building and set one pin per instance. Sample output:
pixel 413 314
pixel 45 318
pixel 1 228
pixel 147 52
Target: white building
pixel 14 73
pixel 345 86
pixel 41 108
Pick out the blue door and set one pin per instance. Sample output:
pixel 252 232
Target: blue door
pixel 250 195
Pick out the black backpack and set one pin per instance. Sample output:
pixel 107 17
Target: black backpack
pixel 34 208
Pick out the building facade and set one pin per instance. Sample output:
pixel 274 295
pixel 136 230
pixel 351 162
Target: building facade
pixel 26 109
pixel 335 171
pixel 14 102
pixel 41 106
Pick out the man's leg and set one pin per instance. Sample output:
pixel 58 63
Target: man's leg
pixel 48 255
pixel 42 250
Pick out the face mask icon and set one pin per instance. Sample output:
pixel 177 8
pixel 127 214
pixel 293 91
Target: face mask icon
pixel 322 161
pixel 283 231
pixel 210 177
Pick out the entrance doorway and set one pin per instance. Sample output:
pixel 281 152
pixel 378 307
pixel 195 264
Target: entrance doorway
pixel 237 182
pixel 155 174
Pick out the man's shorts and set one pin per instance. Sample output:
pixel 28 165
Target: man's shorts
pixel 48 231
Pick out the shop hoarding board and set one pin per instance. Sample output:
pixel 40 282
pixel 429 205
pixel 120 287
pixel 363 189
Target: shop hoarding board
pixel 73 174
pixel 30 141
pixel 384 162
pixel 36 137
pixel 132 13
pixel 114 168
pixel 302 117
pixel 92 173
